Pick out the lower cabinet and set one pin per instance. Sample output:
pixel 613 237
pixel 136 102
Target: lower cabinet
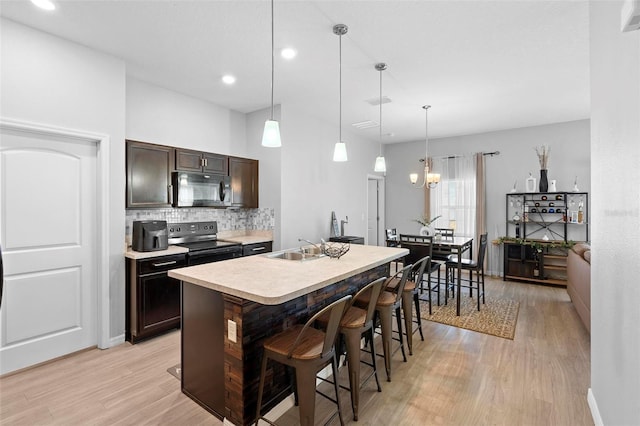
pixel 152 297
pixel 540 263
pixel 258 248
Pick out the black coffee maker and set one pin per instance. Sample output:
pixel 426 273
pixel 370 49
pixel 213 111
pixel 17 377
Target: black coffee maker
pixel 149 235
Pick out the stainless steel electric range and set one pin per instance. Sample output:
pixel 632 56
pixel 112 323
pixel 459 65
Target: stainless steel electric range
pixel 201 238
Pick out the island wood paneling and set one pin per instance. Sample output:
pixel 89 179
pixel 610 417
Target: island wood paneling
pixel 255 322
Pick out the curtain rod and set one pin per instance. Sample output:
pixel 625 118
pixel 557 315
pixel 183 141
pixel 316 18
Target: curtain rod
pixel 446 157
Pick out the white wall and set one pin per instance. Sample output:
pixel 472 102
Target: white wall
pixel 165 117
pixel 313 185
pixel 301 180
pixel 48 80
pixel 570 156
pixel 615 150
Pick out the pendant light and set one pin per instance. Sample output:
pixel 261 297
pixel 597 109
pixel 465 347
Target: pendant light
pixel 430 180
pixel 271 134
pixel 380 165
pixel 340 150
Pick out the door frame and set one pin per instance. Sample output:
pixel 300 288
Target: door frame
pixel 102 143
pixel 381 206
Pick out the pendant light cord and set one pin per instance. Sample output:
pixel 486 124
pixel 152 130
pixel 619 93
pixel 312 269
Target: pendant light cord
pixel 381 112
pixel 340 91
pixel 272 59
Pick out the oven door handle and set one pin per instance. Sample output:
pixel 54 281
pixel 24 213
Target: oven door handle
pixel 224 250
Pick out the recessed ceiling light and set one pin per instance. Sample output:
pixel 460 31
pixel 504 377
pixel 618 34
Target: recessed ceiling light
pixel 44 4
pixel 228 79
pixel 288 53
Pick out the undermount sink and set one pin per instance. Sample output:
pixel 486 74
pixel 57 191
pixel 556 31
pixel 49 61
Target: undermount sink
pixel 310 253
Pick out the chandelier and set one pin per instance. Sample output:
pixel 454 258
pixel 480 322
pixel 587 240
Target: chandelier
pixel 430 180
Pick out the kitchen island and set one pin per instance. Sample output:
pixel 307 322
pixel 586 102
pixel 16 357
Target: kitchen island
pixel 230 307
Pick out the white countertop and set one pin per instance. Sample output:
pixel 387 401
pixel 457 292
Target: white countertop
pixel 130 254
pixel 274 281
pixel 248 239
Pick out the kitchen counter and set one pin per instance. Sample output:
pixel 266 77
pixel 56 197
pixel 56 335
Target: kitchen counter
pixel 245 237
pixel 282 280
pixel 130 254
pixel 229 308
pixel 248 239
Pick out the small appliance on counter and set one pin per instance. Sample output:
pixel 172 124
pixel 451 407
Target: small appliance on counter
pixel 149 235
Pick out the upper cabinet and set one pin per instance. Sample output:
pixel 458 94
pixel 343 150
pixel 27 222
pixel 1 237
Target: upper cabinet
pixel 196 161
pixel 149 170
pixel 244 182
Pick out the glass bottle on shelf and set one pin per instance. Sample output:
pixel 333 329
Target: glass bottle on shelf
pixel 580 211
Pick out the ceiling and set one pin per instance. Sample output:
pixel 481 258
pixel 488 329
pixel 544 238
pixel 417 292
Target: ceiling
pixel 482 65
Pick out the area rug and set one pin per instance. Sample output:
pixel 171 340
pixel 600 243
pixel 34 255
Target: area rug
pixel 497 317
pixel 175 371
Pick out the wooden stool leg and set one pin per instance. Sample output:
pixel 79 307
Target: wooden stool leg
pixel 334 367
pixel 306 384
pixel 385 325
pixel 352 338
pixel 399 321
pixel 416 301
pixel 408 325
pixel 373 356
pixel 263 372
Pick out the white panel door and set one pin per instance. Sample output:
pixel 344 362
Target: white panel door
pixel 48 223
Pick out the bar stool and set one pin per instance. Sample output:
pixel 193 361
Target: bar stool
pixel 308 351
pixel 410 295
pixel 386 304
pixel 356 322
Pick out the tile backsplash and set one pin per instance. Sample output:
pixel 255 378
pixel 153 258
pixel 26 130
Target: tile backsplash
pixel 228 219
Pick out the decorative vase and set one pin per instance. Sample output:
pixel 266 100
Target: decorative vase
pixel 427 230
pixel 544 184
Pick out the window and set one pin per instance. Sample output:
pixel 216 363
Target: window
pixel 454 199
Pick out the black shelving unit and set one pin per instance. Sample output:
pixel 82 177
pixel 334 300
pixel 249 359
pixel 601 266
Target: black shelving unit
pixel 538 224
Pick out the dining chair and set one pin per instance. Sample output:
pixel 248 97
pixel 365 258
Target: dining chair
pixel 472 266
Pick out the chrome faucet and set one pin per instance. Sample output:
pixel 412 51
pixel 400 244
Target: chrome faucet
pixel 342 222
pixel 321 247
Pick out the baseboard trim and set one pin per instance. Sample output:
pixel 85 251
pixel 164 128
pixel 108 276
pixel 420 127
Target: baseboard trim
pixel 593 406
pixel 115 341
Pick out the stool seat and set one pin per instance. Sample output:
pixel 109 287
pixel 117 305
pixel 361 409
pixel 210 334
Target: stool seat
pixel 386 298
pixel 394 282
pixel 309 346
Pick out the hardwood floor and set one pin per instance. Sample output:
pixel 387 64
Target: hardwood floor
pixel 455 377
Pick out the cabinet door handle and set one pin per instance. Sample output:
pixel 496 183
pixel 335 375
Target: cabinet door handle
pixel 170 193
pixel 171 262
pixel 259 248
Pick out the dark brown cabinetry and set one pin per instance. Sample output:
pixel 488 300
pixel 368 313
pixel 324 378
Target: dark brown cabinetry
pixel 257 248
pixel 153 298
pixel 539 263
pixel 244 182
pixel 149 170
pixel 196 161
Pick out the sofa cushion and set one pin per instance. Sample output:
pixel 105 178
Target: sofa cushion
pixel 587 256
pixel 580 248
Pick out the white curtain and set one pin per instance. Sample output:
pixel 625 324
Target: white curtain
pixel 454 199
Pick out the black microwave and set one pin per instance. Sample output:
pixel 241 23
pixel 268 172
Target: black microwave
pixel 201 190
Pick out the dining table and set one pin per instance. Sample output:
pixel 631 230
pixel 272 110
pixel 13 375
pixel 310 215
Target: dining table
pixel 456 246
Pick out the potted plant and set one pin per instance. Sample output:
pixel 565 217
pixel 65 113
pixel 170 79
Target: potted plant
pixel 427 225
